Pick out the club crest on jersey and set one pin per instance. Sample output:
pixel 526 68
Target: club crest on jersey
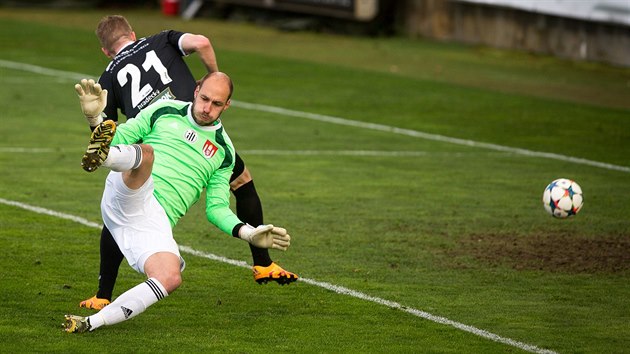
pixel 209 149
pixel 190 135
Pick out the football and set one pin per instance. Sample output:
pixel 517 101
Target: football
pixel 563 198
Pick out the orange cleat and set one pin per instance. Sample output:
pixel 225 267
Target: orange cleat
pixel 262 275
pixel 94 303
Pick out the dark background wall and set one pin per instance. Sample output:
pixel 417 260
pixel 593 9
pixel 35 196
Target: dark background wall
pixel 444 20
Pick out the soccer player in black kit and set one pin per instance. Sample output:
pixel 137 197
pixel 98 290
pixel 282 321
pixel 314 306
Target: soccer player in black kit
pixel 141 72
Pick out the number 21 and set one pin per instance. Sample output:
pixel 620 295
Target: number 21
pixel 137 93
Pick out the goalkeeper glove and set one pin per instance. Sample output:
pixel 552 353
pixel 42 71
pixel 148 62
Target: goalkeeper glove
pixel 93 100
pixel 265 236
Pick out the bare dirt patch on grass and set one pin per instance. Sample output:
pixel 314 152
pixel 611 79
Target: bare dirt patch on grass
pixel 550 252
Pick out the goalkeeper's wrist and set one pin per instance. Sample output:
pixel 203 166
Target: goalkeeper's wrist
pixel 237 228
pixel 95 121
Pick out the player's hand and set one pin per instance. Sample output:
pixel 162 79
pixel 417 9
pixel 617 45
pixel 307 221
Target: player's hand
pixel 266 236
pixel 93 100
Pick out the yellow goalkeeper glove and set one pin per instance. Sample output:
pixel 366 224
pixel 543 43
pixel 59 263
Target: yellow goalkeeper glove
pixel 93 100
pixel 266 236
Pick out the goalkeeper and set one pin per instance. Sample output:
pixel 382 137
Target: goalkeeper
pixel 143 71
pixel 152 185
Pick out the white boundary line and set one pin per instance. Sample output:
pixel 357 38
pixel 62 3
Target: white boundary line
pixel 342 121
pixel 336 288
pixel 42 70
pixel 427 136
pixel 25 150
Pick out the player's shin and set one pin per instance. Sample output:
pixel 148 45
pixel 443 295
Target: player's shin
pixel 130 304
pixel 249 210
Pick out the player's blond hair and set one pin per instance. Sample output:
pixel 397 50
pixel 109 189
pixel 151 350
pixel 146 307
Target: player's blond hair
pixel 111 29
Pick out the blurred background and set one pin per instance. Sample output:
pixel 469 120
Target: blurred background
pixel 590 30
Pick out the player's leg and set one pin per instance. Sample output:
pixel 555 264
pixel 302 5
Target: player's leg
pixel 249 210
pixel 248 206
pixel 163 270
pixel 111 257
pixel 146 240
pixel 135 161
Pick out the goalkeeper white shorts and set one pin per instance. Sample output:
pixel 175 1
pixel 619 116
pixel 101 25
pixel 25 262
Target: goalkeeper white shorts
pixel 137 221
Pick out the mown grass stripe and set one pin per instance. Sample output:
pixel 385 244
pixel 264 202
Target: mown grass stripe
pixel 353 123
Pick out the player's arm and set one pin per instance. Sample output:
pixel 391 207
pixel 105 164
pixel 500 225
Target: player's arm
pixel 218 209
pixel 200 44
pixel 219 213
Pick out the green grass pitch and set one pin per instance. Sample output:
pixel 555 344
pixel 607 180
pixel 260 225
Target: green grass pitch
pixel 357 168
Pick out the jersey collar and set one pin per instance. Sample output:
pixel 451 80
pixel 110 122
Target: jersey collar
pixel 124 46
pixel 215 126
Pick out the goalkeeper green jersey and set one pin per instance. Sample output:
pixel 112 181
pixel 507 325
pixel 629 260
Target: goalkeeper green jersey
pixel 188 158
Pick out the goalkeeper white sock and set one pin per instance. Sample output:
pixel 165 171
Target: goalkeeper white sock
pixel 130 304
pixel 123 158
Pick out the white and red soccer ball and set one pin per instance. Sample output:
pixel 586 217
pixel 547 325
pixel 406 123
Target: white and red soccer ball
pixel 563 198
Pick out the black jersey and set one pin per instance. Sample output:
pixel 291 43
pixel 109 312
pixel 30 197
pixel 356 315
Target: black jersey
pixel 145 71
